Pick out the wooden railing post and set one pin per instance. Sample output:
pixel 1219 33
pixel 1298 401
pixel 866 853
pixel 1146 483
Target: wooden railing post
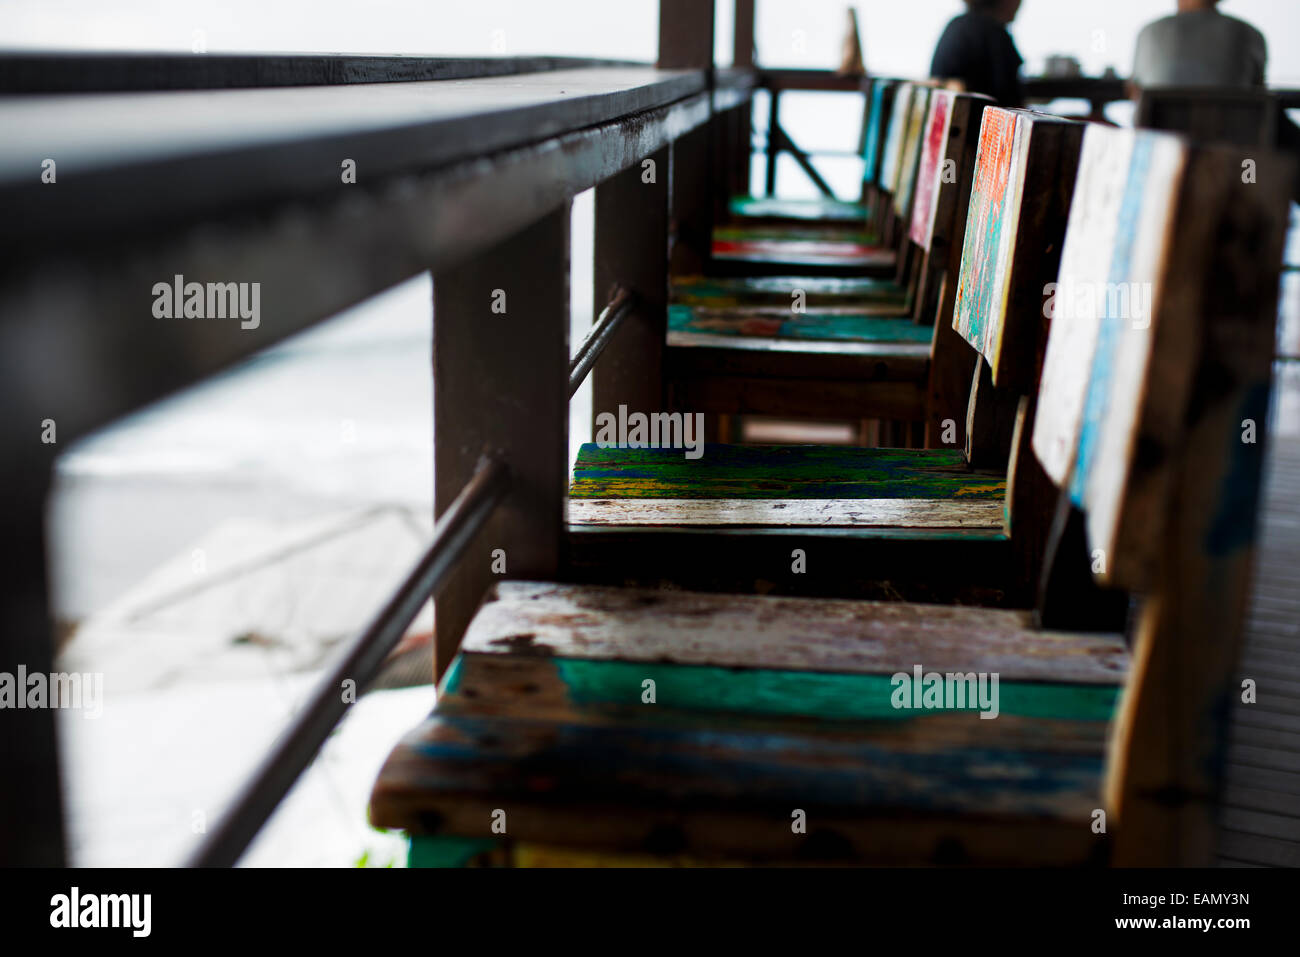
pixel 686 42
pixel 631 250
pixel 742 49
pixel 500 385
pixel 31 803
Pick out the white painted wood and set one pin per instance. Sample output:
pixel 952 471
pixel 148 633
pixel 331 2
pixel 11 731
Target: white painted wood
pixel 1130 393
pixel 636 624
pixel 1085 259
pixel 816 513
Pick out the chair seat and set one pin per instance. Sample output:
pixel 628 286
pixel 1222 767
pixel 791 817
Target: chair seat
pixel 794 232
pixel 818 291
pixel 783 473
pixel 821 208
pixel 689 325
pixel 760 706
pixel 804 253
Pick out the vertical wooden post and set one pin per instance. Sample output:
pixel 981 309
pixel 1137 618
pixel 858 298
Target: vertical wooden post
pixel 690 202
pixel 686 42
pixel 500 384
pixel 742 50
pixel 31 805
pixel 631 248
pixel 773 122
pixel 686 34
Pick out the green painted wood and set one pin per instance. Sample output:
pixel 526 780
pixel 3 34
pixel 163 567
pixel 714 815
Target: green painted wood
pixel 430 850
pixel 780 471
pixel 793 233
pixel 820 208
pixel 812 325
pixel 803 695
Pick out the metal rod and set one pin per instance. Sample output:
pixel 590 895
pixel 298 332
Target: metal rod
pixel 773 147
pixel 297 747
pixel 607 324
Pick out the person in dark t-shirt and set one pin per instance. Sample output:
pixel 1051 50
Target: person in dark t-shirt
pixel 977 49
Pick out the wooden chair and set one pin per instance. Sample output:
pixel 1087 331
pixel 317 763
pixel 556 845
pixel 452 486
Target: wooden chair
pixel 811 250
pixel 857 348
pixel 908 517
pixel 831 214
pixel 589 725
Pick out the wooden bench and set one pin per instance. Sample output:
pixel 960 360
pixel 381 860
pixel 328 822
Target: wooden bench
pixel 734 516
pixel 585 724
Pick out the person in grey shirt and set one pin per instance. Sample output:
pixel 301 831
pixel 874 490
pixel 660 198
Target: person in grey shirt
pixel 1199 46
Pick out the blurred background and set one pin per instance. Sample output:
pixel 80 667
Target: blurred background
pixel 210 552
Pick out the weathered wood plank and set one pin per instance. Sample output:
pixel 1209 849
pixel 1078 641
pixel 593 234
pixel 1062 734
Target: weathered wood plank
pixel 1172 733
pixel 780 471
pixel 817 291
pixel 779 323
pixel 1085 261
pixel 210 151
pixel 804 253
pixel 1142 365
pixel 1015 224
pixel 890 162
pixel 726 631
pixel 910 156
pixel 819 209
pixel 837 513
pixel 610 786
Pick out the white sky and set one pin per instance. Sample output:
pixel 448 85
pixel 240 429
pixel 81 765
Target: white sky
pixel 898 36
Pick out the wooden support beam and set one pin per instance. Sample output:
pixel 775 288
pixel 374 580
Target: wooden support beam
pixel 742 49
pixel 31 806
pixel 686 34
pixel 690 202
pixel 631 243
pixel 990 420
pixel 500 382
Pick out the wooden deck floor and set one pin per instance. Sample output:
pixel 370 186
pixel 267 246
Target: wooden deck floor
pixel 1261 821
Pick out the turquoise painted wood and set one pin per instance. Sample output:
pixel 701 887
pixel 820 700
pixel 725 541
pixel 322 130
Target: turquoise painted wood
pixel 438 850
pixel 781 471
pixel 821 208
pixel 597 686
pixel 747 769
pixel 811 326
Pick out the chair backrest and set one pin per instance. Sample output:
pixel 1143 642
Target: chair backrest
pixel 1015 221
pixel 1167 279
pixel 1244 117
pixel 939 181
pixel 879 100
pixel 910 155
pixel 896 132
